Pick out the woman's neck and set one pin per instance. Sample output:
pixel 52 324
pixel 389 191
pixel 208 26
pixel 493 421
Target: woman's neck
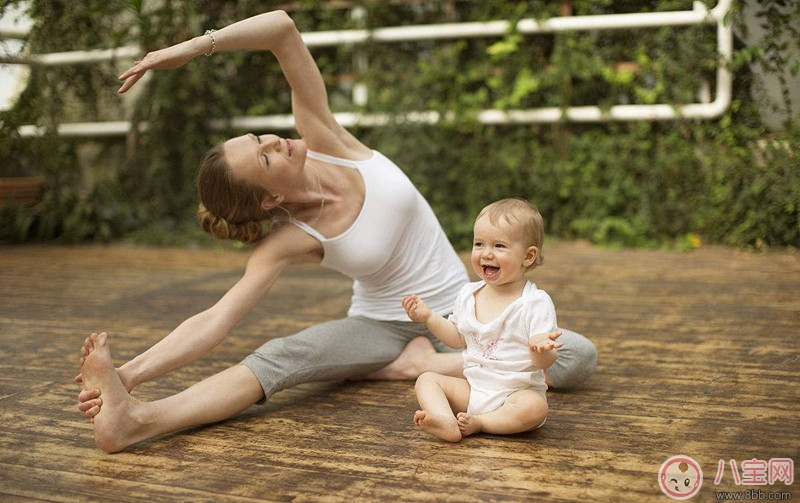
pixel 332 205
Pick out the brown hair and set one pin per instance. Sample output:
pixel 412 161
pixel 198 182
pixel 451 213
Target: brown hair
pixel 229 208
pixel 524 216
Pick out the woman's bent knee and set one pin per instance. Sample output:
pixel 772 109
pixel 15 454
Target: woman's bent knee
pixel 576 362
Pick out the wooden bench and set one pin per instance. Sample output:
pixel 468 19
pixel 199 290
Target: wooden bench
pixel 23 190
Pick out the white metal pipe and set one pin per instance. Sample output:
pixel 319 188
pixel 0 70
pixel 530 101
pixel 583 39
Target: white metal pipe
pixel 96 129
pixel 75 57
pixel 14 32
pixel 335 37
pixel 541 115
pixel 466 30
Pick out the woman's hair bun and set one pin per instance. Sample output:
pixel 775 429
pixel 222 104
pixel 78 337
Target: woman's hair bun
pixel 246 232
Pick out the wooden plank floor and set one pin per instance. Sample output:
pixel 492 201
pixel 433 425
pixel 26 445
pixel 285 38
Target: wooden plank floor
pixel 699 355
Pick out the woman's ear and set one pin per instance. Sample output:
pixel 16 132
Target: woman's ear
pixel 531 254
pixel 269 202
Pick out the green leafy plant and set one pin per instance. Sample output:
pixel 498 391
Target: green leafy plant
pixel 678 183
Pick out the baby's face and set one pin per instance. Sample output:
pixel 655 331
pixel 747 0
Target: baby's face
pixel 498 254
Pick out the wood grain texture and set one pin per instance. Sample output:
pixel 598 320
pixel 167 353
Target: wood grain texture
pixel 699 355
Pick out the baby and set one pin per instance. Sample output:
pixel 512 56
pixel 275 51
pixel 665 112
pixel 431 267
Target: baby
pixel 506 326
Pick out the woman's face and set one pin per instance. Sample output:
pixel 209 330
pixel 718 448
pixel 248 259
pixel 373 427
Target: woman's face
pixel 269 161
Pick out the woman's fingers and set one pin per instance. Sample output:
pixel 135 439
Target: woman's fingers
pixel 89 405
pixel 130 81
pixel 92 412
pixel 88 395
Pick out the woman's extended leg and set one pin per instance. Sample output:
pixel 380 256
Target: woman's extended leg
pixel 337 350
pixel 576 362
pixel 124 421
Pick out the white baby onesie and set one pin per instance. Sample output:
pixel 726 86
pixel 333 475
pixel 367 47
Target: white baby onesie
pixel 497 361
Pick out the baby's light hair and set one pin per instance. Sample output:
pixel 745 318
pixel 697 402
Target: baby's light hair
pixel 524 217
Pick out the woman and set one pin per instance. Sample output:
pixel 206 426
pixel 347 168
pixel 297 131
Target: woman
pixel 332 201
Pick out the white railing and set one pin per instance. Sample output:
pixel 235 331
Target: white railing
pixel 698 15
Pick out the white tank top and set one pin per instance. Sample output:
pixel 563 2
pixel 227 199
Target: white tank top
pixel 394 248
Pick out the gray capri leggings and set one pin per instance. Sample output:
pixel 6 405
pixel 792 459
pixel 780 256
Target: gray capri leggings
pixel 354 346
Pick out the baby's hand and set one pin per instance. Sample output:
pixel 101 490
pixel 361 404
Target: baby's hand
pixel 416 309
pixel 541 343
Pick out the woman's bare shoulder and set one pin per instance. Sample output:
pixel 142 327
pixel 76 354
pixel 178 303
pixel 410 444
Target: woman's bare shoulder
pixel 286 244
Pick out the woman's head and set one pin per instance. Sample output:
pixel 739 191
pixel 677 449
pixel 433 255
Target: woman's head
pixel 237 180
pixel 230 207
pixel 520 222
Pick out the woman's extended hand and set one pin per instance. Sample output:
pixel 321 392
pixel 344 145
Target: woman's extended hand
pixel 164 59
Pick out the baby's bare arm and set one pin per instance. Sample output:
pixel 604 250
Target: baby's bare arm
pixel 443 329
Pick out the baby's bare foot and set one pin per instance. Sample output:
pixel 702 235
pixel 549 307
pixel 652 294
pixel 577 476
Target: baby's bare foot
pixel 468 424
pixel 443 427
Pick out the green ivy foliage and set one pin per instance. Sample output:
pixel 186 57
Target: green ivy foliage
pixel 672 183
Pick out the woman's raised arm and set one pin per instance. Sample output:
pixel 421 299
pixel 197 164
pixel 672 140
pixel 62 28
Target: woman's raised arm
pixel 275 32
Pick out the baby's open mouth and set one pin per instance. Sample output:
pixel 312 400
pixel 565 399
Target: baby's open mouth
pixel 490 270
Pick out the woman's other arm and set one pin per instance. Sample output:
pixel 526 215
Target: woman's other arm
pixel 202 332
pixel 199 334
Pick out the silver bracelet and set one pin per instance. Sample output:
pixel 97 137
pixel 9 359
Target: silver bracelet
pixel 210 33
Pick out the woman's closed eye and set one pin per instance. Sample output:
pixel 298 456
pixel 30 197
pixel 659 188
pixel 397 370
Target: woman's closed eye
pixel 257 139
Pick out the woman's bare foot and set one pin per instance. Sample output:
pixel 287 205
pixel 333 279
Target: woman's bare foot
pixel 410 363
pixel 445 428
pixel 468 424
pixel 116 425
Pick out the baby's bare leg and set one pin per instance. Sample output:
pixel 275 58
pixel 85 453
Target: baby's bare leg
pixel 523 411
pixel 439 397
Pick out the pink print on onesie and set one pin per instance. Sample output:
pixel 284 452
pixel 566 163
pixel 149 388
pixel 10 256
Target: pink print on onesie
pixel 486 350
